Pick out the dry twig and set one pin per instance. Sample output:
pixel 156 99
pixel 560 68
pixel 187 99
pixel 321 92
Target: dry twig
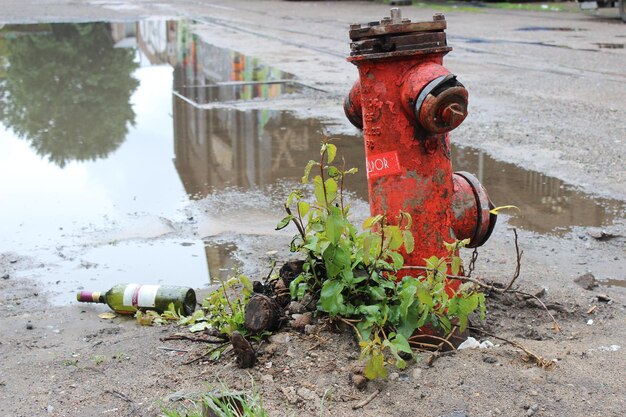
pixel 539 361
pixel 366 401
pixel 208 353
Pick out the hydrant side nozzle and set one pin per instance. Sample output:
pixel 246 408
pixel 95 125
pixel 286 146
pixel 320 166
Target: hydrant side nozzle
pixel 471 208
pixel 352 106
pixel 442 105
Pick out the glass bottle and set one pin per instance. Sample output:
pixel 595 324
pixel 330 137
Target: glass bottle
pixel 128 298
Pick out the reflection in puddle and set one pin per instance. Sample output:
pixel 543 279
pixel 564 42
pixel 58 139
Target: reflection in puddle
pixel 613 283
pixel 221 260
pixel 102 106
pixel 549 29
pixel 547 204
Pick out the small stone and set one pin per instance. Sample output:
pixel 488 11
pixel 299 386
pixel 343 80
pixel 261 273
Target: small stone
pixel 307 302
pixel 310 328
pixel 280 338
pixel 490 359
pixel 297 308
pixel 50 408
pixel 359 381
pixel 533 393
pixel 6 276
pixel 271 349
pixel 394 376
pixel 302 321
pixel 307 394
pixel 532 410
pixel 587 281
pixel 290 394
pixel 267 378
pixel 417 374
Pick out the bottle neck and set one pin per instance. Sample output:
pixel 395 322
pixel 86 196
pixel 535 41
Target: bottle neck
pixel 90 297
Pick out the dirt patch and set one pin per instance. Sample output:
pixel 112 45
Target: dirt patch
pixel 65 361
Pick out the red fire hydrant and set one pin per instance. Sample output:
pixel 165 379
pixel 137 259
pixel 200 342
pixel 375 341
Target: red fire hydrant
pixel 406 102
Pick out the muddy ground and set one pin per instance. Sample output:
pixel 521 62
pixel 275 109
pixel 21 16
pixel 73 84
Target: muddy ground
pixel 550 100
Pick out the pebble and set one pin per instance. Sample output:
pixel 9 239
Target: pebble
pixel 271 349
pixel 310 328
pixel 290 394
pixel 267 378
pixel 359 381
pixel 532 410
pixel 302 321
pixel 5 276
pixel 307 394
pixel 280 338
pixel 394 376
pixel 297 308
pixel 417 374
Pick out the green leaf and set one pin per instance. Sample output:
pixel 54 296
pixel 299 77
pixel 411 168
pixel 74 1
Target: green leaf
pixel 397 259
pixel 307 171
pixel 292 195
pixel 284 222
pixel 334 225
pixel 247 284
pixel 331 299
pixel 319 191
pixel 375 366
pixel 407 295
pixel 409 323
pixel 377 293
pixel 394 236
pixel 303 208
pixel 371 221
pixel 294 287
pixel 333 172
pixel 352 171
pixel 425 297
pixel 331 151
pixel 496 210
pixel 198 327
pixel 409 242
pixel 456 265
pixel 336 259
pixel 432 262
pixel 331 190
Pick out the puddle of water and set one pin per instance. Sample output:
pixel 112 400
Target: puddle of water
pixel 106 163
pixel 613 283
pixel 221 260
pixel 547 204
pixel 610 45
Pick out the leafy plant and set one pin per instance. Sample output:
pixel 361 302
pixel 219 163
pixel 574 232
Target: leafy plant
pixel 354 274
pixel 225 403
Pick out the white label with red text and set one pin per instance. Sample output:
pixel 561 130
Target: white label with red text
pixel 383 164
pixel 140 295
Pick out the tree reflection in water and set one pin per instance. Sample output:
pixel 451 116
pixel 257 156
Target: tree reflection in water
pixel 66 89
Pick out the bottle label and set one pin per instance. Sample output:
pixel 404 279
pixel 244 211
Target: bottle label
pixel 140 295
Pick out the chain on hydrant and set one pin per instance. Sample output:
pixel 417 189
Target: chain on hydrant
pixel 406 102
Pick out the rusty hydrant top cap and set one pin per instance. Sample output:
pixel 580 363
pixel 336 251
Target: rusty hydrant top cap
pixel 398 36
